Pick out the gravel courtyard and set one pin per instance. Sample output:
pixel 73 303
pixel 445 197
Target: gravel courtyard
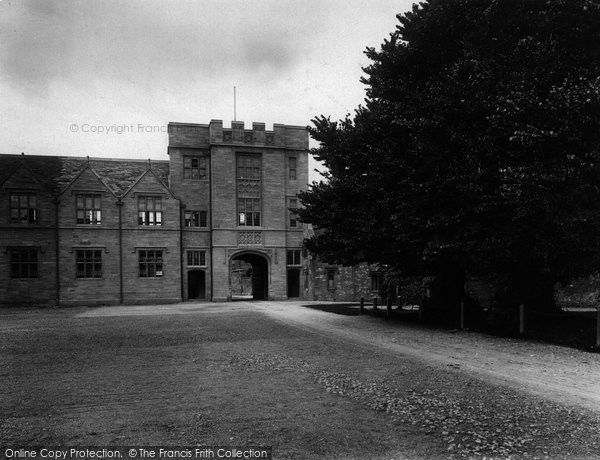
pixel 309 383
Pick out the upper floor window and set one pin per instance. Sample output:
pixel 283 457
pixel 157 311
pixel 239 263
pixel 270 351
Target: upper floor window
pixel 292 210
pixel 23 208
pixel 195 218
pixel 88 263
pixel 293 257
pixel 89 210
pixel 23 263
pixel 194 168
pixel 196 258
pixel 249 191
pixel 249 212
pixel 149 210
pixel 248 167
pixel 151 263
pixel 292 168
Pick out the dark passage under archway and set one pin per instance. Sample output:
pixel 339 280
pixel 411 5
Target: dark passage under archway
pixel 249 277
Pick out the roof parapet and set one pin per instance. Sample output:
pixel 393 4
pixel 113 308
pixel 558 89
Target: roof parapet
pixel 202 136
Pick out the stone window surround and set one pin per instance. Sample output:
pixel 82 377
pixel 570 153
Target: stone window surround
pixel 96 208
pixel 201 218
pixel 292 165
pixel 249 202
pixel 200 170
pixel 153 262
pixel 292 220
pixel 32 209
pixel 88 263
pixel 27 261
pixel 330 277
pixel 294 257
pixel 201 254
pixel 156 212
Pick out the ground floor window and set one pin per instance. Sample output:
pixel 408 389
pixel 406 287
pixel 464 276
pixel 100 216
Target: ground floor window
pixel 23 263
pixel 88 263
pixel 196 258
pixel 331 279
pixel 151 263
pixel 293 257
pixel 376 281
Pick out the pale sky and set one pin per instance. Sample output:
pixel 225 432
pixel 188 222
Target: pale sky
pixel 93 78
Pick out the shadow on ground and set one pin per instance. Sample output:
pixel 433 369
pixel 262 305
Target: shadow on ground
pixel 346 309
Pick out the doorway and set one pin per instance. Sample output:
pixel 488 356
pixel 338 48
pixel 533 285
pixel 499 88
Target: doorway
pixel 293 282
pixel 196 284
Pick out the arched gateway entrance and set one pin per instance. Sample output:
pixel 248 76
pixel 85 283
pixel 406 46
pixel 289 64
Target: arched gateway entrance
pixel 249 276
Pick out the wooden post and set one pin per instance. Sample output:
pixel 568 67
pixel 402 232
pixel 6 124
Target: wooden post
pixel 362 305
pixel 598 327
pixel 522 319
pixel 374 303
pixel 462 314
pixel 389 307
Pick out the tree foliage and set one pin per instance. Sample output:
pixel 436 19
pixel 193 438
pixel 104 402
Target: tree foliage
pixel 477 150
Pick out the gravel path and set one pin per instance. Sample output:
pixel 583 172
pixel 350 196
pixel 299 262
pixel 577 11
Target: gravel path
pixel 559 373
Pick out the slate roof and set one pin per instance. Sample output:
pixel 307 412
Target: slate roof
pixel 56 173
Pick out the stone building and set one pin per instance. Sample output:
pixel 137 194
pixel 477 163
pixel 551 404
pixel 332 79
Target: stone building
pixel 322 281
pixel 216 217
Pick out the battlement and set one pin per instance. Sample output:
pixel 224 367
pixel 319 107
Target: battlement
pixel 203 136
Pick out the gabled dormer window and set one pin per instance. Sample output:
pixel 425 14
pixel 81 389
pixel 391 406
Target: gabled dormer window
pixel 150 210
pixel 23 208
pixel 89 209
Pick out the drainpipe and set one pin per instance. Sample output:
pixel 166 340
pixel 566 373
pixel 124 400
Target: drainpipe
pixel 57 251
pixel 181 258
pixel 120 207
pixel 210 227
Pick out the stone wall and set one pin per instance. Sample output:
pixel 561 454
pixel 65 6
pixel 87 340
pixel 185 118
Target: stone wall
pixel 337 283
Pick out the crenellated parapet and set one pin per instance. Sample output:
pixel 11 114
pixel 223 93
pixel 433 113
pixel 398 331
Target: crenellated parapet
pixel 199 136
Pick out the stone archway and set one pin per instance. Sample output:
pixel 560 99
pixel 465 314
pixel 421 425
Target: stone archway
pixel 249 276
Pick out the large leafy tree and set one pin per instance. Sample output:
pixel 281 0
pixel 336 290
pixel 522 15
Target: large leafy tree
pixel 477 150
